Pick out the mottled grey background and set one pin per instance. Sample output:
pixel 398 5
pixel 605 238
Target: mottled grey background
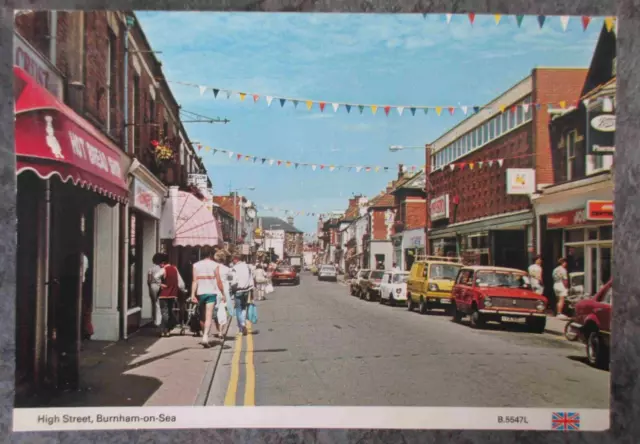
pixel 625 353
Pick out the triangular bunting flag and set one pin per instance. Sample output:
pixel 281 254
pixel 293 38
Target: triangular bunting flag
pixel 376 169
pixel 464 109
pixel 254 159
pixel 207 149
pixel 563 104
pixel 472 17
pixel 215 151
pixel 279 162
pixel 438 110
pixel 490 163
pixel 502 108
pixel 413 111
pixel 313 167
pixel 425 110
pixel 500 162
pixel 374 109
pixel 367 169
pixel 322 105
pixel 242 96
pixel 247 157
pixel 295 103
pixel 452 110
pixel 480 165
pixel 514 108
pixel 586 102
pixel 282 102
pixel 215 93
pixel 335 107
pixel 255 98
pixel 349 169
pixel 288 164
pixel 400 110
pixel 228 94
pixel 424 15
pixel 322 167
pixel 309 104
pixel 387 109
pixel 238 156
pixel 476 109
pixel 471 165
pixel 271 162
pixel 269 100
pixel 608 23
pixel 263 160
pixel 202 90
pixel 525 107
pixel 519 20
pixel 448 18
pixel 361 108
pixel 331 168
pixel 564 20
pixel 404 168
pixel 199 147
pixel 230 154
pixel 585 21
pixel 541 19
pixel 358 168
pixel 497 18
pixel 348 108
pixel 452 166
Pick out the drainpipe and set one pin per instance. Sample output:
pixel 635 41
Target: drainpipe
pixel 53 37
pixel 427 190
pixel 42 303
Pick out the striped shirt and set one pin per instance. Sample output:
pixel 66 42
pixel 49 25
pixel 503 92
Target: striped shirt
pixel 204 274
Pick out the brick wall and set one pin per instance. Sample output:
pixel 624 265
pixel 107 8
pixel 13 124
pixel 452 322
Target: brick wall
pixel 34 27
pixel 551 86
pixel 379 227
pixel 482 192
pixel 415 214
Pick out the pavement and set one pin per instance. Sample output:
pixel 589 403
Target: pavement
pixel 314 344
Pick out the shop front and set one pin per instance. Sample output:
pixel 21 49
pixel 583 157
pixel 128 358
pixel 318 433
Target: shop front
pixel 398 259
pixel 412 246
pixel 71 191
pixel 145 210
pixel 576 222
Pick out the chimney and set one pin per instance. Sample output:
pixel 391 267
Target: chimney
pixel 400 172
pixel 290 220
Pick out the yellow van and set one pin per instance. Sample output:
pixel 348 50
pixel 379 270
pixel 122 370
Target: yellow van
pixel 430 283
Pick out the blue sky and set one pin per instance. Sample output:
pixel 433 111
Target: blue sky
pixel 355 58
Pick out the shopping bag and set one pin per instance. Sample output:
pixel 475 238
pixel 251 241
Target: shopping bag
pixel 222 313
pixel 269 288
pixel 229 310
pixel 252 314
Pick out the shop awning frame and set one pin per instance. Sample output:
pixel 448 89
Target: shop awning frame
pixel 188 222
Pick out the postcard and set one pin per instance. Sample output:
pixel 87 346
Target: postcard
pixel 393 221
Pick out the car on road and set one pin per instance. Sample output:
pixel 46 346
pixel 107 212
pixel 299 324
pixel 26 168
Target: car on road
pixel 328 273
pixel 355 286
pixel 370 287
pixel 430 282
pixel 285 274
pixel 498 294
pixel 592 320
pixel 393 288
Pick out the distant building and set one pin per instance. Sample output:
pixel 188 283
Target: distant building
pixel 281 237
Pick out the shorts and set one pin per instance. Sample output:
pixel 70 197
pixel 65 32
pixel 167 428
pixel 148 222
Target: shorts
pixel 207 298
pixel 560 290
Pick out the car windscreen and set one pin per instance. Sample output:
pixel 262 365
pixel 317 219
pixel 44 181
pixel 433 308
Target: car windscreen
pixel 444 271
pixel 329 268
pixel 376 275
pixel 400 278
pixel 283 270
pixel 502 279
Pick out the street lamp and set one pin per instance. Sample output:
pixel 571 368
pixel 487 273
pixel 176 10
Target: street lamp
pixel 235 210
pixel 395 148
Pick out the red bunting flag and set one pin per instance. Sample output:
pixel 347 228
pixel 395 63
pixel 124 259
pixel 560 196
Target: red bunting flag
pixel 238 156
pixel 585 21
pixel 452 110
pixel 322 105
pixel 322 167
pixel 472 17
pixel 279 162
pixel 386 110
pixel 199 147
pixel 255 98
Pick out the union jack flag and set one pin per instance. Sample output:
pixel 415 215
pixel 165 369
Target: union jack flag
pixel 565 421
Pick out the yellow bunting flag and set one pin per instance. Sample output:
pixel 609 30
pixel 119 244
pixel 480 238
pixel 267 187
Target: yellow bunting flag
pixel 502 108
pixel 207 148
pixel 471 166
pixel 377 169
pixel 288 164
pixel 374 109
pixel 438 110
pixel 497 18
pixel 563 104
pixel 608 22
pixel 247 157
pixel 309 104
pixel 242 96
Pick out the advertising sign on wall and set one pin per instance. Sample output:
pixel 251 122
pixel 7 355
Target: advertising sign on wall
pixel 45 74
pixel 521 181
pixel 146 200
pixel 439 207
pixel 602 130
pixel 600 210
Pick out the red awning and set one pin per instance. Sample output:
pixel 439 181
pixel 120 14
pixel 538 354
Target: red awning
pixel 51 139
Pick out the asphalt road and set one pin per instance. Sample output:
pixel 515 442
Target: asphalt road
pixel 314 344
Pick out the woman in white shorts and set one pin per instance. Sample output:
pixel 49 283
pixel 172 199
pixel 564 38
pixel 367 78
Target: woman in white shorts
pixel 560 281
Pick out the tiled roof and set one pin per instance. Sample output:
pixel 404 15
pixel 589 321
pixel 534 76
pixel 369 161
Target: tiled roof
pixel 267 222
pixel 226 203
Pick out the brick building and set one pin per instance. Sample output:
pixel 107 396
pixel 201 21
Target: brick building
pixel 575 215
pixel 482 172
pixel 410 221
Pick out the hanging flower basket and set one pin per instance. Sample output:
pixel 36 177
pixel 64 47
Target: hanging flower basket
pixel 163 153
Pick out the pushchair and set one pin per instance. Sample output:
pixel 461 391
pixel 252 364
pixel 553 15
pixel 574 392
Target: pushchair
pixel 192 315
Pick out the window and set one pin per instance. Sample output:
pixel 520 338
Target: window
pixel 519 115
pixel 505 121
pixel 492 129
pixel 474 141
pixel 485 133
pixel 571 154
pixel 528 115
pixel 498 125
pixel 135 115
pixel 512 119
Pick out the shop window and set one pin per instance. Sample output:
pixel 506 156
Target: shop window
pixel 592 234
pixel 576 235
pixel 606 232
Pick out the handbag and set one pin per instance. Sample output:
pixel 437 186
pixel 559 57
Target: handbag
pixel 252 314
pixel 269 288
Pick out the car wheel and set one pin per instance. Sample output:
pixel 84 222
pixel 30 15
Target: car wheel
pixel 457 315
pixel 409 302
pixel 537 325
pixel 392 302
pixel 423 308
pixel 597 354
pixel 477 320
pixel 369 298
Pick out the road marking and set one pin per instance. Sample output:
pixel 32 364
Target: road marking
pixel 232 388
pixel 250 383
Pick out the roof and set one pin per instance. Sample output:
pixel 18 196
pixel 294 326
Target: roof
pixel 386 198
pixel 226 203
pixel 266 222
pixel 417 181
pixel 610 85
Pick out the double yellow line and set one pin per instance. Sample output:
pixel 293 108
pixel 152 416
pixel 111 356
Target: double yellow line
pixel 250 373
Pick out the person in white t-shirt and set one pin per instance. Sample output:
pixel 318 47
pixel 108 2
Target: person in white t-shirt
pixel 243 279
pixel 535 275
pixel 207 289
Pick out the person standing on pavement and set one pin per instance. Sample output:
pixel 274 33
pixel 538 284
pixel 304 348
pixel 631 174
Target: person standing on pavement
pixel 154 287
pixel 560 286
pixel 172 285
pixel 535 275
pixel 207 288
pixel 221 258
pixel 243 285
pixel 261 282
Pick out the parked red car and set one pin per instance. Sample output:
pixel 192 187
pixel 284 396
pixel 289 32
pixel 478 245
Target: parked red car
pixel 497 294
pixel 285 274
pixel 592 320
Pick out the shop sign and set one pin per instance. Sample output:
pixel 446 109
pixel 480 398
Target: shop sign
pixel 38 67
pixel 521 181
pixel 245 249
pixel 198 180
pixel 417 241
pixel 602 134
pixel 567 219
pixel 439 207
pixel 600 210
pixel 145 199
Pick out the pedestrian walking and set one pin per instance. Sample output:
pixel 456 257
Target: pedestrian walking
pixel 261 282
pixel 207 288
pixel 242 284
pixel 221 258
pixel 154 287
pixel 560 286
pixel 170 288
pixel 535 275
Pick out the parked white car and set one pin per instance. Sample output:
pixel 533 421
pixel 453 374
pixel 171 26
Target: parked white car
pixel 393 287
